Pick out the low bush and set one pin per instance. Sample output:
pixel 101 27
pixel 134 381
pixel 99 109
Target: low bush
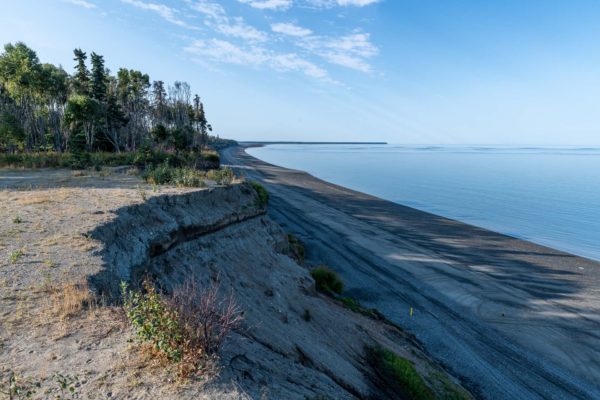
pixel 327 281
pixel 185 328
pixel 398 375
pixel 296 250
pixel 355 306
pixel 263 194
pixel 165 174
pixel 222 176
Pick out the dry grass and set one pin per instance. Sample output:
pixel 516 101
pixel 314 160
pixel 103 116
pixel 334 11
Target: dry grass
pixel 71 300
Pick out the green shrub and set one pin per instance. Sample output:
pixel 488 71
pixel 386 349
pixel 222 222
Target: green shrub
pixel 211 157
pixel 263 195
pixel 153 321
pixel 297 251
pixel 355 306
pixel 187 326
pixel 398 375
pixel 327 281
pixel 164 174
pixel 222 176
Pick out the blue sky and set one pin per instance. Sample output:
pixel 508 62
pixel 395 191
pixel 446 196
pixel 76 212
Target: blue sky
pixel 414 71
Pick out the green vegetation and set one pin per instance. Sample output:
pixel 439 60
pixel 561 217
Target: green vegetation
pixel 263 195
pixel 297 251
pixel 307 316
pixel 399 376
pixel 187 327
pixel 43 108
pixel 223 176
pixel 327 281
pixel 164 174
pixel 15 255
pixel 154 321
pixel 143 158
pixel 17 219
pixel 355 306
pixel 15 387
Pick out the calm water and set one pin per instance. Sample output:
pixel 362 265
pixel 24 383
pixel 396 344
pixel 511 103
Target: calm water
pixel 547 195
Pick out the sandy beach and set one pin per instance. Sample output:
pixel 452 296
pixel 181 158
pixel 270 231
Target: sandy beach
pixel 516 320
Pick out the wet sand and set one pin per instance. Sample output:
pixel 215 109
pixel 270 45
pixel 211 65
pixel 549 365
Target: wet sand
pixel 515 319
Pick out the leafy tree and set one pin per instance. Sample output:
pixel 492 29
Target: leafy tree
pixel 42 107
pixel 81 79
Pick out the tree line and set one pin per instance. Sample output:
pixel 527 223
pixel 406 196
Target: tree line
pixel 43 108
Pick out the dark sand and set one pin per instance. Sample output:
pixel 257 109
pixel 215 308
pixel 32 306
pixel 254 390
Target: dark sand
pixel 516 320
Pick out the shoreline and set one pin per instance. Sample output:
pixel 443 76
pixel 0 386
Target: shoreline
pixel 572 246
pixel 496 309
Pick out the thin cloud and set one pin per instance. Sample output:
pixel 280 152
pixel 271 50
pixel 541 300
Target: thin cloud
pixel 222 51
pixel 342 3
pixel 350 51
pixel 218 20
pixel 290 29
pixel 82 3
pixel 167 13
pixel 268 4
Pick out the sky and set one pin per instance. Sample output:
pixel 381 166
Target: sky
pixel 507 72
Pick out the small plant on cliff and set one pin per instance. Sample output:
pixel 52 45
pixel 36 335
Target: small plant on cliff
pixel 327 281
pixel 154 321
pixel 16 387
pixel 296 249
pixel 397 375
pixel 15 255
pixel 188 327
pixel 263 195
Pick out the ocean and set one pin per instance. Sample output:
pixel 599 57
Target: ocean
pixel 547 195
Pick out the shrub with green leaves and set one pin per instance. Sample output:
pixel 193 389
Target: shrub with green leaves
pixel 153 320
pixel 398 375
pixel 263 195
pixel 222 176
pixel 327 281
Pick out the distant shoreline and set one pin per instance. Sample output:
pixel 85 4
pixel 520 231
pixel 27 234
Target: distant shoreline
pixel 260 143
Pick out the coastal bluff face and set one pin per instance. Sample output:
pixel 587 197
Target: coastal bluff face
pixel 218 235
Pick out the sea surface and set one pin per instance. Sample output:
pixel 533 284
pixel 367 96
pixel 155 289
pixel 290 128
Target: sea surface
pixel 547 195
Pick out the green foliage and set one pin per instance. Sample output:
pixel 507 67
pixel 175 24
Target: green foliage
pixel 297 251
pixel 164 174
pixel 42 107
pixel 187 326
pixel 15 387
pixel 153 320
pixel 263 195
pixel 17 219
pixel 399 376
pixel 211 157
pixel 12 135
pixel 355 306
pixel 222 176
pixel 67 386
pixel 15 255
pixel 18 388
pixel 327 281
pixel 307 315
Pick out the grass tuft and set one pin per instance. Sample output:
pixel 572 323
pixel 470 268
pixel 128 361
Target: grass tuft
pixel 263 195
pixel 398 375
pixel 327 280
pixel 296 249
